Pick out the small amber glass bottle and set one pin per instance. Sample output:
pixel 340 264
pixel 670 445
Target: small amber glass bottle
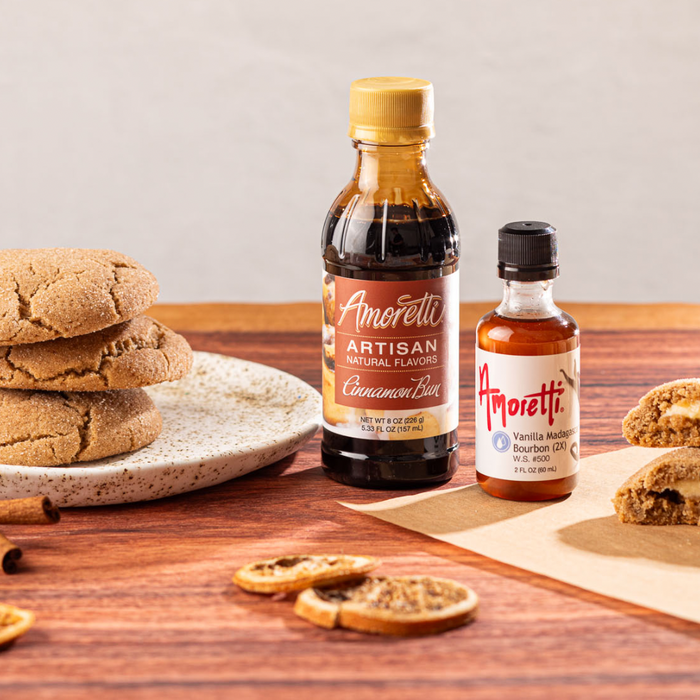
pixel 527 376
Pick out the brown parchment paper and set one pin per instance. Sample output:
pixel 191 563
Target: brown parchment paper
pixel 578 540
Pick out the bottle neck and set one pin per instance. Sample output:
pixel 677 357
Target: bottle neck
pixel 382 166
pixel 528 300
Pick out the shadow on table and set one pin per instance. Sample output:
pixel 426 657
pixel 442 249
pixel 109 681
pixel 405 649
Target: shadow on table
pixel 446 512
pixel 671 544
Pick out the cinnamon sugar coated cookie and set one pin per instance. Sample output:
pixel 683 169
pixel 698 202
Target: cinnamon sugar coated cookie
pixel 664 492
pixel 667 416
pixel 47 428
pixel 48 293
pixel 136 353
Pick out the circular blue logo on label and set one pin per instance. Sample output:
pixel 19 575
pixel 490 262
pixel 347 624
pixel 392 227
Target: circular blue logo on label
pixel 501 441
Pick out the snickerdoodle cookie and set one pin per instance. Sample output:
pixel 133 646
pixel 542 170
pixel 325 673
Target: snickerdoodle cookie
pixel 664 492
pixel 49 428
pixel 667 416
pixel 49 293
pixel 132 354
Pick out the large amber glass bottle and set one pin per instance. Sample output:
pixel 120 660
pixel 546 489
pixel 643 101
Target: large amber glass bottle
pixel 391 301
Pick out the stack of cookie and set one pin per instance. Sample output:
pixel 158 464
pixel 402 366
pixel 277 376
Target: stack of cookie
pixel 667 490
pixel 75 351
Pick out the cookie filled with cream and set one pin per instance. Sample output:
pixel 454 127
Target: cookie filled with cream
pixel 667 416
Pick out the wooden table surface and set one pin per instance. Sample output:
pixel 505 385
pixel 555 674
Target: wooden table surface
pixel 136 601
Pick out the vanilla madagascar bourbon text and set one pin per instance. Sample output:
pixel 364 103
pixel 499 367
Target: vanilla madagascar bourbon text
pixel 396 356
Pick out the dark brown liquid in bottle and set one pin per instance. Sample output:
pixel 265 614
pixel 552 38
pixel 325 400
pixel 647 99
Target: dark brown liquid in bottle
pixel 548 336
pixel 400 242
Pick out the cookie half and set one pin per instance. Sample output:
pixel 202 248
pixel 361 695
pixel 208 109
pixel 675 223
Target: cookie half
pixel 133 354
pixel 48 293
pixel 664 492
pixel 49 428
pixel 405 606
pixel 668 416
pixel 298 571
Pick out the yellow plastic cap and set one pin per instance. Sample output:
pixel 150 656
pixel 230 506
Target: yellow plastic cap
pixel 391 110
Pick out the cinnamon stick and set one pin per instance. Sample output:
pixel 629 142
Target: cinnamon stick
pixel 10 554
pixel 37 510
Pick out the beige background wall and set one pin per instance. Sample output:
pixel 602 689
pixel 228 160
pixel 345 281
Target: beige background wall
pixel 207 137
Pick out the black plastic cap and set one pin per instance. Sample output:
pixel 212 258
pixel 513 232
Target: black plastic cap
pixel 527 251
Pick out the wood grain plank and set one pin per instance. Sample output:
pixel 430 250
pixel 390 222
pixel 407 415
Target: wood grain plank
pixel 135 601
pixel 301 317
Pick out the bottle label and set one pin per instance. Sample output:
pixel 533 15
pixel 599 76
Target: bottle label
pixel 391 357
pixel 527 415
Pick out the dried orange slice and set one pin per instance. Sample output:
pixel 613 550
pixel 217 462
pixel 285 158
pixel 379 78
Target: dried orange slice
pixel 405 606
pixel 14 622
pixel 294 572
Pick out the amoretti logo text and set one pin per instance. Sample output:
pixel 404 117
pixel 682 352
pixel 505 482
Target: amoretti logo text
pixel 427 310
pixel 545 402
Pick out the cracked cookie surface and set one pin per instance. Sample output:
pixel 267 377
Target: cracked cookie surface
pixel 664 492
pixel 667 416
pixel 50 428
pixel 48 293
pixel 136 353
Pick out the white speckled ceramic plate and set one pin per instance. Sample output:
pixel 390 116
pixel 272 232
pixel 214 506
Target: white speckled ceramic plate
pixel 228 417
